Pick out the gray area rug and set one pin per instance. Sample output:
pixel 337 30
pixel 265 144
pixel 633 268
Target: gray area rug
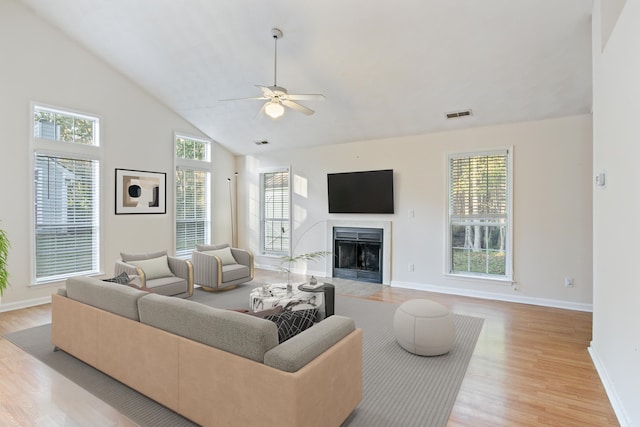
pixel 399 388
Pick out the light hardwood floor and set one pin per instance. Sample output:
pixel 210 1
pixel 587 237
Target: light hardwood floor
pixel 530 368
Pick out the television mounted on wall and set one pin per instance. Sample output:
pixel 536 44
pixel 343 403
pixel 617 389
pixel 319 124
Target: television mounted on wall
pixel 367 192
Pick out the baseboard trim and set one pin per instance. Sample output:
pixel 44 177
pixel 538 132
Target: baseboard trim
pixel 618 408
pixel 24 304
pixel 293 270
pixel 568 305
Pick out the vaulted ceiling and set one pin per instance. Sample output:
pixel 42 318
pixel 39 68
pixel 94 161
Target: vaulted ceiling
pixel 386 68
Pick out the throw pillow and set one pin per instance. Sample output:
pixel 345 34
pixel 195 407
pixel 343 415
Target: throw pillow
pixel 204 248
pixel 291 323
pixel 154 268
pixel 141 256
pixel 268 312
pixel 122 278
pixel 224 254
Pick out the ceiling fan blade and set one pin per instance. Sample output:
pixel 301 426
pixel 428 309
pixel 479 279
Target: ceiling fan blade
pixel 244 99
pixel 298 107
pixel 266 91
pixel 307 97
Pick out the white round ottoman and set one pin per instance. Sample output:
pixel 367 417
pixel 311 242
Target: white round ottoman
pixel 424 327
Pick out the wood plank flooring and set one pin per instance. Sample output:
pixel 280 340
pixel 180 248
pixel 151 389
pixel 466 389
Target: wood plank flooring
pixel 530 368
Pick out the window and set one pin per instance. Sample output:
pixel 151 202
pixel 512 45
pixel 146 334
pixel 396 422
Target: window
pixel 66 218
pixel 479 214
pixel 275 225
pixel 193 165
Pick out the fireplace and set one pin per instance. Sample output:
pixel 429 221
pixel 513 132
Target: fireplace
pixel 358 253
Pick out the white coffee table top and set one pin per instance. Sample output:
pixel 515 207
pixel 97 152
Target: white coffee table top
pixel 264 298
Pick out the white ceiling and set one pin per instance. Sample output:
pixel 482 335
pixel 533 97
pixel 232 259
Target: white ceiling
pixel 386 68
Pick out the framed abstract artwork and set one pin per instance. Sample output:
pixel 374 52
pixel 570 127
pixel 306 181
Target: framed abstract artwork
pixel 140 192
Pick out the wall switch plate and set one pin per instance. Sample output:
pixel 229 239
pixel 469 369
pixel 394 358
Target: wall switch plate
pixel 410 268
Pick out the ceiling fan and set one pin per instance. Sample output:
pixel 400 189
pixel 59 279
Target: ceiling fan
pixel 277 97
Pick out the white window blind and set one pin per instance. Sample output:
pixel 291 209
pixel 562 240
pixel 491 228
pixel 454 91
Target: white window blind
pixel 66 197
pixel 192 213
pixel 66 217
pixel 192 196
pixel 479 209
pixel 275 212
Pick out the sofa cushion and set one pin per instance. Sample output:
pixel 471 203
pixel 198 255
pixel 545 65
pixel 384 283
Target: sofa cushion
pixel 291 323
pixel 237 333
pixel 234 272
pixel 225 255
pixel 295 353
pixel 167 285
pixel 139 256
pixel 154 268
pixel 121 300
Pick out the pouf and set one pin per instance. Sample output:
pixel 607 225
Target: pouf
pixel 424 327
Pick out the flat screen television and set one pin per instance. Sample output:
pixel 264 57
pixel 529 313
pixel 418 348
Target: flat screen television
pixel 368 192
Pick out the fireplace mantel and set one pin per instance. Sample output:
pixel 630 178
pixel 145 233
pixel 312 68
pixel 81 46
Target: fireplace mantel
pixel 386 243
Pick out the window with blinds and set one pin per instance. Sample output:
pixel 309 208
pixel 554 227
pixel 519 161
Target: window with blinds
pixel 192 195
pixel 66 195
pixel 275 224
pixel 479 214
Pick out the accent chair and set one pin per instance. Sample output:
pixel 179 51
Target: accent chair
pixel 217 267
pixel 158 272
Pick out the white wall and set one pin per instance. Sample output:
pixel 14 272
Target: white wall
pixel 616 149
pixel 41 64
pixel 552 205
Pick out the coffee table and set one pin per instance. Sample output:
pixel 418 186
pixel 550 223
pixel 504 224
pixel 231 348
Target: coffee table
pixel 273 295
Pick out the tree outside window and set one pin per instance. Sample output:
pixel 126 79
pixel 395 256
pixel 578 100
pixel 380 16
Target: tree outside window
pixel 479 221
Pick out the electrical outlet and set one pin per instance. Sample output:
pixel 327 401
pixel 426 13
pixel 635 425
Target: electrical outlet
pixel 410 268
pixel 568 282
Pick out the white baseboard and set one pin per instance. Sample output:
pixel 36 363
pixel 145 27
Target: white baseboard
pixel 266 267
pixel 495 296
pixel 293 271
pixel 24 304
pixel 618 408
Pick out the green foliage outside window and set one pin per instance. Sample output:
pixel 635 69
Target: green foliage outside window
pixel 191 149
pixel 4 254
pixel 63 127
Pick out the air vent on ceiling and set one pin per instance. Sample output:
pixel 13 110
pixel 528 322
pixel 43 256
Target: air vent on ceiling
pixel 265 142
pixel 458 114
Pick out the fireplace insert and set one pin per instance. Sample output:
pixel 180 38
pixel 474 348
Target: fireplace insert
pixel 357 253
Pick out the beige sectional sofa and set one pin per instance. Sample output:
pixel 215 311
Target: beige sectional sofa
pixel 215 367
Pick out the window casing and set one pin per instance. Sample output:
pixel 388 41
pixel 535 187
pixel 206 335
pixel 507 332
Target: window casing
pixel 275 215
pixel 66 194
pixel 479 215
pixel 192 194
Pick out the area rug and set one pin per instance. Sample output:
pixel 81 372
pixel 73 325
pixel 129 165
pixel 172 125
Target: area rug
pixel 399 388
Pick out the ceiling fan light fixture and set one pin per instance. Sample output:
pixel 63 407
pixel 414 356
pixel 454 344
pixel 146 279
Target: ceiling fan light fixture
pixel 277 96
pixel 274 109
